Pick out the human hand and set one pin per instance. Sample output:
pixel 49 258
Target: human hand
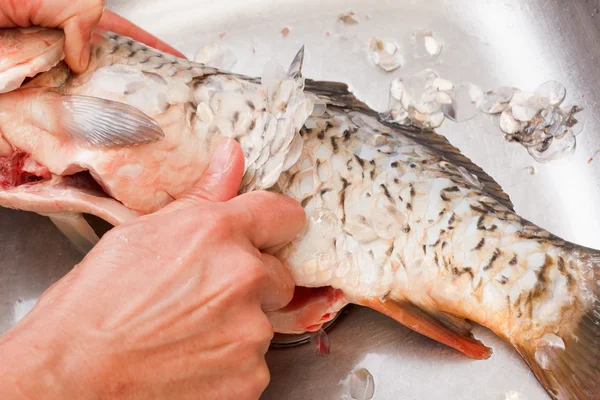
pixel 78 19
pixel 170 305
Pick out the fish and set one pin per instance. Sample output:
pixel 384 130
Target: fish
pixel 398 219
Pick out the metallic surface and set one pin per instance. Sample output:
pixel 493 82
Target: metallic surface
pixel 489 42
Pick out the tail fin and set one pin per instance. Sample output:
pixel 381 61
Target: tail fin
pixel 568 365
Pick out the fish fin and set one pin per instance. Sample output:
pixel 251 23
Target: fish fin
pixel 572 372
pixel 338 95
pixel 96 122
pixel 75 227
pixel 420 321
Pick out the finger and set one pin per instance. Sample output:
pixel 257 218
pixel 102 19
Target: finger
pixel 268 219
pixel 221 180
pixel 117 24
pixel 278 288
pixel 77 44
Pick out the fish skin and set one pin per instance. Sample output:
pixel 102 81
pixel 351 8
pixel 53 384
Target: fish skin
pixel 394 214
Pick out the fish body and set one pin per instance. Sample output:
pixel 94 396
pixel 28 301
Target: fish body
pixel 398 219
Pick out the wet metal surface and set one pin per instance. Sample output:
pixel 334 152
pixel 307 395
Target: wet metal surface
pixel 489 43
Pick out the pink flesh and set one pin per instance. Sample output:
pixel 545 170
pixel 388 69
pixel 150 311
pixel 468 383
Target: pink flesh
pixel 46 173
pixel 309 310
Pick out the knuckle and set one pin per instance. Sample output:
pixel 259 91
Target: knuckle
pixel 262 378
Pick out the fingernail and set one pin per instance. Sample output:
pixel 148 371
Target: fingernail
pixel 222 158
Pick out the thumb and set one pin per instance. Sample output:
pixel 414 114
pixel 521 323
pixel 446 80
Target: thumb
pixel 221 180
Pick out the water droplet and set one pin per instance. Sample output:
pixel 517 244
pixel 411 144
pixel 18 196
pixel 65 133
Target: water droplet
pixel 320 342
pixel 464 103
pixel 553 91
pixel 362 385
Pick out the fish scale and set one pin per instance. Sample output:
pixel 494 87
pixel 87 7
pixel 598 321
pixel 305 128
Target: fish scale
pixel 397 218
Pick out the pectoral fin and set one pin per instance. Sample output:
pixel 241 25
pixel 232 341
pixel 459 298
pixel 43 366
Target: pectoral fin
pixel 418 320
pixel 96 122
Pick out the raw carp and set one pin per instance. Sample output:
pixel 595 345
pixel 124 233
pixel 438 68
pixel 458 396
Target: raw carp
pixel 398 219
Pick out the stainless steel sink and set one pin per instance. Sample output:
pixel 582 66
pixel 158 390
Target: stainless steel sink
pixel 491 43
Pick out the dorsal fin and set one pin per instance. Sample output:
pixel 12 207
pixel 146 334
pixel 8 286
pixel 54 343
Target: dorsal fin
pixel 337 94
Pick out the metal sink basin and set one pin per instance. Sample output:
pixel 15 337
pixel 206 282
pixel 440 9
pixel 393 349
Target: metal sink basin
pixel 488 42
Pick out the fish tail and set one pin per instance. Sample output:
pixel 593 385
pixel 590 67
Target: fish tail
pixel 568 363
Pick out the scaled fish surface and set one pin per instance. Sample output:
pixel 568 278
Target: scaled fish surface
pixel 398 219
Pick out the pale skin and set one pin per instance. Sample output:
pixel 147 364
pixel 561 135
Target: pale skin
pixel 169 306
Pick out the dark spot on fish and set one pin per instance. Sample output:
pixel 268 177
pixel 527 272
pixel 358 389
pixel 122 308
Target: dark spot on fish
pixel 386 192
pixel 334 144
pixel 423 161
pixel 460 272
pixel 394 164
pixel 252 125
pixel 347 135
pixel 345 183
pixel 250 104
pixel 493 228
pixel 129 43
pixel 321 135
pixel 409 206
pixel 480 223
pixel 359 160
pixel 400 198
pixel 443 196
pixel 413 165
pixel 235 118
pixel 436 259
pixel 451 189
pixel 390 250
pixel 561 265
pixel 450 228
pixel 368 194
pixel 477 209
pixel 503 280
pixel 495 256
pixel 513 261
pixel 396 180
pixel 372 162
pixel 305 201
pixel 442 212
pixel 407 229
pixel 487 207
pixel 444 244
pixel 480 244
pixel 452 219
pixel 436 243
pixel 323 191
pixel 542 278
pixel 424 249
